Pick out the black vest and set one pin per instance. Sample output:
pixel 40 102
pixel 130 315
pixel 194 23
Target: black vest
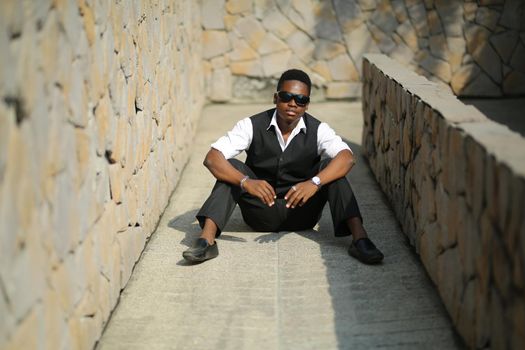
pixel 299 161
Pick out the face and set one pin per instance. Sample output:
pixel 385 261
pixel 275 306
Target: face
pixel 290 112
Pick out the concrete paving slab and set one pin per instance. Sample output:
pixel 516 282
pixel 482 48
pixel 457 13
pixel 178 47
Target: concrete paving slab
pixel 286 290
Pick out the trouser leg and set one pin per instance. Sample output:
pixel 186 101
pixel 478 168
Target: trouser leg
pixel 342 201
pixel 224 196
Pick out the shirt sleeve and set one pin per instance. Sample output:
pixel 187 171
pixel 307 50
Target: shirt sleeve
pixel 236 140
pixel 328 142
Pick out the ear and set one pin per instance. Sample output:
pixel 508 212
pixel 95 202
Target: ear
pixel 275 98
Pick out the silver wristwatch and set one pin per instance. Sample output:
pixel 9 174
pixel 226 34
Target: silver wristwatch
pixel 316 181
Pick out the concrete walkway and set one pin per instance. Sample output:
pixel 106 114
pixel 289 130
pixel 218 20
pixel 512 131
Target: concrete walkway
pixel 287 290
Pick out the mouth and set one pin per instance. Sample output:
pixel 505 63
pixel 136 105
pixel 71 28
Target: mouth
pixel 291 113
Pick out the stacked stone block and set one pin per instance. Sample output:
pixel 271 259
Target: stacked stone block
pixel 99 101
pixel 456 182
pixel 476 48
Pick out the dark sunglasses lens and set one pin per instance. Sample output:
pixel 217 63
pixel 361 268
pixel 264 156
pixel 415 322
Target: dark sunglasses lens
pixel 301 99
pixel 284 96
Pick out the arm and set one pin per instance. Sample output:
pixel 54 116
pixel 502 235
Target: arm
pixel 336 169
pixel 222 170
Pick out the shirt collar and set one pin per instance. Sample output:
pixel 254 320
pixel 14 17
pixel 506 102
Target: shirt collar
pixel 300 125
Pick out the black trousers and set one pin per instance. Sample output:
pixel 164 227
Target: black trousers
pixel 260 217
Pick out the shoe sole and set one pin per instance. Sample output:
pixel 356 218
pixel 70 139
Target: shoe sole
pixel 194 259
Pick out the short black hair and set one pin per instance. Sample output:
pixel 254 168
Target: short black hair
pixel 295 74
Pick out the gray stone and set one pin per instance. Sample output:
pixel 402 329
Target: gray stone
pixel 349 15
pixel 467 59
pixel 383 17
pixel 326 49
pixel 462 77
pixel 512 16
pixel 212 14
pixel 434 23
pixel 491 2
pixel 238 6
pixel 514 83
pixel 418 16
pixel 301 44
pixel 241 50
pixel 475 177
pixel 277 23
pixel 506 71
pixel 384 41
pixel 367 5
pixel 342 90
pixel 327 26
pixel 270 44
pixel 438 47
pixel 250 29
pixel 250 68
pixel 469 11
pixel 221 89
pixel 518 58
pixel 504 43
pixel 487 17
pixel 399 10
pixel 215 43
pixel 360 42
pixel 456 47
pixel 449 277
pixel 302 15
pixel 276 63
pixel 489 61
pixel 408 35
pixel 437 67
pixel 451 14
pixel 342 68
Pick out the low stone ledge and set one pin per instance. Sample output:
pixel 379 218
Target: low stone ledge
pixel 456 181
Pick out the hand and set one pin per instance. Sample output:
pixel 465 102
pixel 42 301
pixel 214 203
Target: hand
pixel 260 189
pixel 300 194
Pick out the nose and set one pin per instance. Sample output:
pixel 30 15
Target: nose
pixel 292 102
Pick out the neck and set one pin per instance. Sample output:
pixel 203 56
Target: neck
pixel 287 127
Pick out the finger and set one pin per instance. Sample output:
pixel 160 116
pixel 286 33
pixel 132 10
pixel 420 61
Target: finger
pixel 270 189
pixel 293 199
pixel 291 191
pixel 265 196
pixel 268 193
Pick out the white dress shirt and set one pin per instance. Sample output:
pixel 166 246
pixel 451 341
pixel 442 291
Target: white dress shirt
pixel 240 138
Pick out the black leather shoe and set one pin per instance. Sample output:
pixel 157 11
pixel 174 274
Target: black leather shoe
pixel 365 251
pixel 201 251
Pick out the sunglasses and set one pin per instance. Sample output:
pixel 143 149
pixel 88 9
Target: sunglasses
pixel 286 96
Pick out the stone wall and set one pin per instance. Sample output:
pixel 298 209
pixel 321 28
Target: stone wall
pixel 475 47
pixel 99 101
pixel 456 182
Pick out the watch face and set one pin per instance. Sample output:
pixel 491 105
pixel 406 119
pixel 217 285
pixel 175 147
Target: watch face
pixel 316 180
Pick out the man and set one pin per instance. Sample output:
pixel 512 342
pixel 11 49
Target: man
pixel 284 184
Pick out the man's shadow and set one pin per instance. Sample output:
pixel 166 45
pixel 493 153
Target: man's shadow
pixel 188 224
pixel 322 233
